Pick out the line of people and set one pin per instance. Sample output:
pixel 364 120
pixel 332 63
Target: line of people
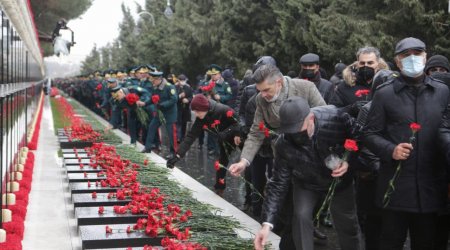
pixel 289 129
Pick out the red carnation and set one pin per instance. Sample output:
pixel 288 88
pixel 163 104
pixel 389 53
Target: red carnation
pixel 362 92
pixel 205 127
pixel 146 162
pixel 230 113
pixel 261 126
pixel 351 145
pixel 217 165
pixel 101 210
pixel 222 181
pixel 415 127
pixel 108 230
pixel 99 87
pixel 94 195
pixel 155 99
pixel 132 98
pixel 266 132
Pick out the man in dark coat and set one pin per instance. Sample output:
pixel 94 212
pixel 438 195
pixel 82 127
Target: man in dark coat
pixel 220 121
pixel 420 187
pixel 310 137
pixel 184 92
pixel 309 70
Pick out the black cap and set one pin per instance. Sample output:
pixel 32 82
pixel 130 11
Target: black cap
pixel 437 61
pixel 409 43
pixel 309 59
pixel 293 112
pixel 182 77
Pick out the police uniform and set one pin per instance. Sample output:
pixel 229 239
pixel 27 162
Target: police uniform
pixel 116 117
pixel 167 105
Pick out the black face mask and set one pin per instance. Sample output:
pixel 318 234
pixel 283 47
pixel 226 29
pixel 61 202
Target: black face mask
pixel 298 139
pixel 364 74
pixel 308 73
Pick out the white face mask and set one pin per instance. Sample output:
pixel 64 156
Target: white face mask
pixel 275 97
pixel 413 65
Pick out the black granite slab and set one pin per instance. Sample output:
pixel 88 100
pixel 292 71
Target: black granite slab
pixel 82 187
pixel 77 169
pixel 90 216
pixel 93 237
pixel 74 144
pixel 92 177
pixel 86 200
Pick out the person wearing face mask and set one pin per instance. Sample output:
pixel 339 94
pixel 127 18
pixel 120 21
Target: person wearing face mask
pixel 308 138
pixel 421 185
pixel 358 76
pixel 273 89
pixel 309 70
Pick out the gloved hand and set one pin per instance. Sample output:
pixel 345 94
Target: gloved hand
pixel 354 108
pixel 171 162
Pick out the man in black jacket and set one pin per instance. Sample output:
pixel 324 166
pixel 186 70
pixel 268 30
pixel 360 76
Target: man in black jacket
pixel 420 187
pixel 220 121
pixel 309 138
pixel 309 70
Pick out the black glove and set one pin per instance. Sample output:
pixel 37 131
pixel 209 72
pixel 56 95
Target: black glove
pixel 354 108
pixel 171 162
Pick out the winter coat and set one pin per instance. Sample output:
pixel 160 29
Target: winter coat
pixel 225 130
pixel 268 111
pixel 305 164
pixel 421 185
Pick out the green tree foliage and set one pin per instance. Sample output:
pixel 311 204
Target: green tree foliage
pixel 236 32
pixel 92 62
pixel 48 12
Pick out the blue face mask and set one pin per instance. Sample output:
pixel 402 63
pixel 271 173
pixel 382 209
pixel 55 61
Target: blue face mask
pixel 413 65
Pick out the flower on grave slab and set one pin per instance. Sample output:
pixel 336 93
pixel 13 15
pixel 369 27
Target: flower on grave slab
pixel 94 195
pixel 101 210
pixel 108 230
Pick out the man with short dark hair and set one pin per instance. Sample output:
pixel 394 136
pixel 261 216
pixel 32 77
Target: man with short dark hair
pixel 309 70
pixel 420 187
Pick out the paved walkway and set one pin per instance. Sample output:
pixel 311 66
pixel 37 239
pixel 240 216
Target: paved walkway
pixel 50 222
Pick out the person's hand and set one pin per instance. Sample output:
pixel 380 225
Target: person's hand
pixel 171 162
pixel 402 151
pixel 182 95
pixel 261 237
pixel 341 170
pixel 217 97
pixel 237 140
pixel 237 168
pixel 185 100
pixel 140 103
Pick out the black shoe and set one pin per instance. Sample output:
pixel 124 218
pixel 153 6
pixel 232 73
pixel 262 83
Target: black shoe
pixel 146 150
pixel 319 235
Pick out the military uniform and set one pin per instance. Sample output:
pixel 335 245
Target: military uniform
pixel 168 106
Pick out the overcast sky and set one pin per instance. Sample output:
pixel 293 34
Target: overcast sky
pixel 98 25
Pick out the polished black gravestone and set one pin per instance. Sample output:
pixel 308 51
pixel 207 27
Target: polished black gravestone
pixel 92 177
pixel 86 168
pixel 90 216
pixel 94 237
pixel 82 188
pixel 86 200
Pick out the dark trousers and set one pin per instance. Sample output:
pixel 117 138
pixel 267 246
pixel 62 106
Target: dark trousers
pixel 369 215
pixel 343 212
pixel 396 224
pixel 153 132
pixel 261 170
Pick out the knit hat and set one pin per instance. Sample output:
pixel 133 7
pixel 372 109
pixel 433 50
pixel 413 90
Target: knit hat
pixel 437 61
pixel 200 103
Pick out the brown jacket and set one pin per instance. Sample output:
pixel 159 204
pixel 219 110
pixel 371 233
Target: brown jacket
pixel 268 111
